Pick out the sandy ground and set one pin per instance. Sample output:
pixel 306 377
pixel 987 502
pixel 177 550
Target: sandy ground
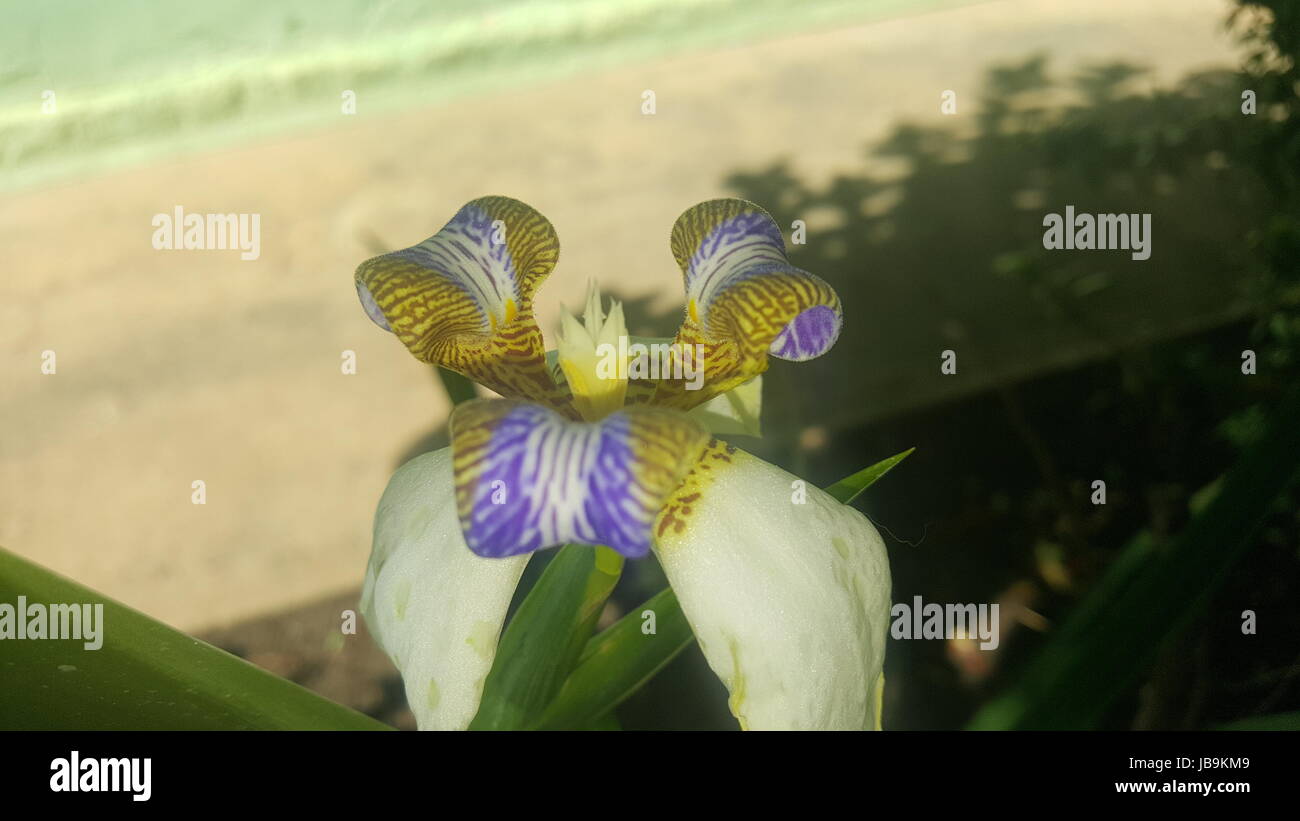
pixel 176 366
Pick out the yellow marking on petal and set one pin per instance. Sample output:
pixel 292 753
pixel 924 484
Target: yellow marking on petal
pixel 434 696
pixel 840 547
pixel 693 311
pixel 880 700
pixel 736 701
pixel 512 311
pixel 674 518
pixel 482 639
pixel 401 598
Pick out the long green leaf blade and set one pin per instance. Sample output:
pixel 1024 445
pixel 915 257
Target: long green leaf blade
pixel 616 663
pixel 145 676
pixel 850 487
pixel 1277 721
pixel 544 640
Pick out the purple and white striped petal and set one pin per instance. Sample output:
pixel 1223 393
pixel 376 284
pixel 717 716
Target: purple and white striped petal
pixel 527 478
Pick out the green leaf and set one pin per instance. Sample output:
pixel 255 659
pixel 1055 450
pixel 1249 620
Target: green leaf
pixel 619 661
pixel 616 663
pixel 544 640
pixel 1148 595
pixel 1278 721
pixel 850 487
pixel 145 676
pixel 737 412
pixel 459 388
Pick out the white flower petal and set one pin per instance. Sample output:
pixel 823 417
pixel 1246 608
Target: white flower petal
pixel 738 411
pixel 790 601
pixel 434 606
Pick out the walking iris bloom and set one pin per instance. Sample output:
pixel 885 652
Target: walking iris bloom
pixel 786 589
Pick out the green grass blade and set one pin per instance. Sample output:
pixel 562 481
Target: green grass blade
pixel 850 487
pixel 145 676
pixel 546 637
pixel 616 663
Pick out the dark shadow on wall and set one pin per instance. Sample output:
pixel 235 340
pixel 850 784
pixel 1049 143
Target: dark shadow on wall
pixel 937 244
pixel 1073 366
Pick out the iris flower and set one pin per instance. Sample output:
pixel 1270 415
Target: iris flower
pixel 786 589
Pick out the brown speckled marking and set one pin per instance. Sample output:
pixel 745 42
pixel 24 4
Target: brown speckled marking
pixel 677 510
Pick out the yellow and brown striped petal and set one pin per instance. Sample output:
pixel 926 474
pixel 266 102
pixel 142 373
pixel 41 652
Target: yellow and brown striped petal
pixel 463 298
pixel 744 301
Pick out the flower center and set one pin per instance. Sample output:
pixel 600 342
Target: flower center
pixel 593 361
